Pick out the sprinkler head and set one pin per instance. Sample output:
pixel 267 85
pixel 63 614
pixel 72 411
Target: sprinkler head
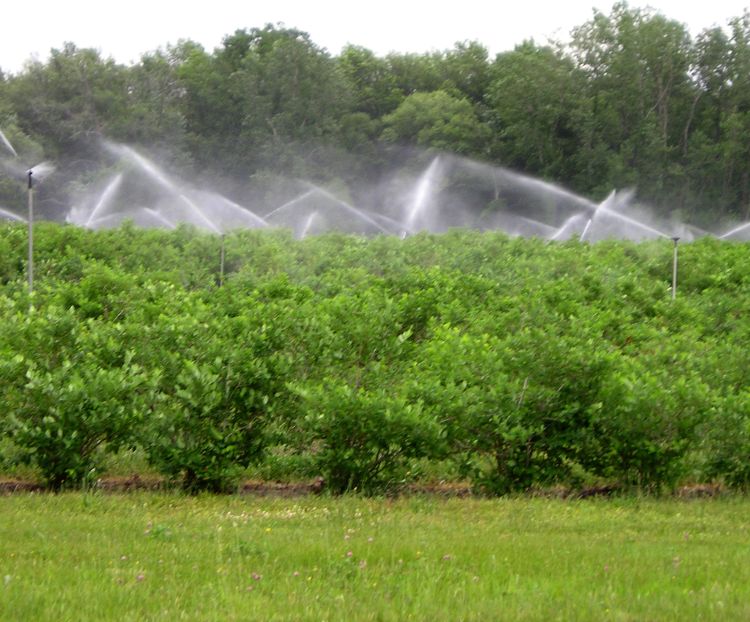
pixel 30 173
pixel 676 239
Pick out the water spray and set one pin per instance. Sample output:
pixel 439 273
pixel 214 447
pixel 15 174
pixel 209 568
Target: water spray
pixel 4 213
pixel 674 268
pixel 734 231
pixel 6 142
pixel 423 193
pixel 436 199
pixel 585 230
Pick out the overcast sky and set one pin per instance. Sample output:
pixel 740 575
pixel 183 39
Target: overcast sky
pixel 125 30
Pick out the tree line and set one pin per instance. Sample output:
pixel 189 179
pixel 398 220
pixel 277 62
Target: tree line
pixel 630 100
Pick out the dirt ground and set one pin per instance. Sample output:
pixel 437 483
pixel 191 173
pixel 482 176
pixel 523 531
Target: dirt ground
pixel 258 488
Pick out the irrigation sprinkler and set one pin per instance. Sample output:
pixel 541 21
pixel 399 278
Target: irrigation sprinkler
pixel 674 268
pixel 221 262
pixel 30 266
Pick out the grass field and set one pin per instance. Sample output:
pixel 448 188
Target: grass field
pixel 158 556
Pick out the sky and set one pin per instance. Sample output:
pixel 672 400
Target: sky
pixel 126 30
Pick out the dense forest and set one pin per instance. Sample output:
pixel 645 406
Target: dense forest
pixel 630 100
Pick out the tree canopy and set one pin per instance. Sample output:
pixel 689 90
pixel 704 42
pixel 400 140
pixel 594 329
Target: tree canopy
pixel 630 100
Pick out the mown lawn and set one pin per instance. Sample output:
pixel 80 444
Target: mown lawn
pixel 156 556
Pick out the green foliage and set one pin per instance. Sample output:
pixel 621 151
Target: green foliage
pixel 522 364
pixel 536 109
pixel 364 439
pixel 72 391
pixel 75 94
pixel 436 120
pixel 646 423
pixel 727 441
pixel 518 401
pixel 372 83
pixel 217 396
pixel 206 432
pixel 157 557
pixel 631 99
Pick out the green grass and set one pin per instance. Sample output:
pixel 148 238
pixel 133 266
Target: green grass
pixel 155 556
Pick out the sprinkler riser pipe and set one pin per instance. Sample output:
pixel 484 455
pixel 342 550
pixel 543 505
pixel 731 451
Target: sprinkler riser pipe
pixel 30 266
pixel 674 269
pixel 221 263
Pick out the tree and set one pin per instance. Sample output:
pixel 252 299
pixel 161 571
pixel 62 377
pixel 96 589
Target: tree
pixel 303 89
pixel 466 69
pixel 640 96
pixel 436 120
pixel 716 148
pixel 75 97
pixel 211 117
pixel 535 106
pixel 373 85
pixel 264 90
pixel 155 94
pixel 415 72
pixel 737 123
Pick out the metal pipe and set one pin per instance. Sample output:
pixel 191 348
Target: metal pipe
pixel 30 266
pixel 674 269
pixel 221 262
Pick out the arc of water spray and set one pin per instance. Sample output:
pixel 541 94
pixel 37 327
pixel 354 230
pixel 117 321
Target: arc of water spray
pixel 735 230
pixel 157 216
pixel 422 192
pixel 343 204
pixel 4 213
pixel 544 227
pixel 145 164
pixel 108 193
pixel 567 226
pixel 308 224
pixel 244 211
pixel 503 177
pixel 198 212
pixel 586 229
pixel 544 186
pixel 106 221
pixel 397 227
pixel 153 171
pixel 634 222
pixel 289 204
pixel 351 209
pixel 603 208
pixel 6 142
